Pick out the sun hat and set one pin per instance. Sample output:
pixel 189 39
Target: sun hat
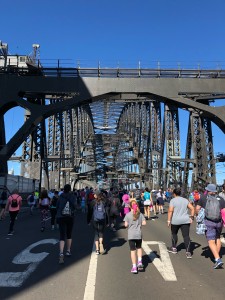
pixel 211 188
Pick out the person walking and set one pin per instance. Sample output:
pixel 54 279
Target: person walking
pixel 65 207
pixel 147 201
pixel 3 201
pixel 114 209
pixel 44 202
pixel 214 206
pixel 31 202
pixel 125 204
pixel 53 210
pixel 160 201
pixel 178 218
pixel 154 203
pixel 13 205
pixel 99 221
pixel 133 221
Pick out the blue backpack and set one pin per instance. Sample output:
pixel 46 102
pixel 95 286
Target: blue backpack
pixel 99 212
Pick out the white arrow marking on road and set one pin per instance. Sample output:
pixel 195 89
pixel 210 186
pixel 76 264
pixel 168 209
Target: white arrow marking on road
pixel 16 279
pixel 163 265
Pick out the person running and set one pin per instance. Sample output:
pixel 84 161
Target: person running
pixel 13 205
pixel 3 201
pixel 147 201
pixel 65 207
pixel 53 210
pixel 44 202
pixel 99 221
pixel 178 218
pixel 213 205
pixel 114 209
pixel 133 221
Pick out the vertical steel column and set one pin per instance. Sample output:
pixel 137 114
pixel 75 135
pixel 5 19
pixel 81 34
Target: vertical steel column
pixel 4 164
pixel 173 153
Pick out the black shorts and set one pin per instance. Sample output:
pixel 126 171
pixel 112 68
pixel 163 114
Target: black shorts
pixel 135 244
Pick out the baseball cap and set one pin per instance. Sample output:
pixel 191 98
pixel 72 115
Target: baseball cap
pixel 211 188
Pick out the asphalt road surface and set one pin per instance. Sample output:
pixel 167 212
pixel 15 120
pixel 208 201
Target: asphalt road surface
pixel 29 268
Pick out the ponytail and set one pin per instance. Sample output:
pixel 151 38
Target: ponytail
pixel 136 210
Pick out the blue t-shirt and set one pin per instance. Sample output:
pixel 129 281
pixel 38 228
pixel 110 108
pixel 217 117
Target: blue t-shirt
pixel 147 196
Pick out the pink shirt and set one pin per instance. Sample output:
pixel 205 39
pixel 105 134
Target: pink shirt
pixel 19 201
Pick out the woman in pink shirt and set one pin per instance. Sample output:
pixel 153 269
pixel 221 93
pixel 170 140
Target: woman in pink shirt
pixel 13 205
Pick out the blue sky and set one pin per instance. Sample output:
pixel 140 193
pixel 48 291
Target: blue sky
pixel 189 33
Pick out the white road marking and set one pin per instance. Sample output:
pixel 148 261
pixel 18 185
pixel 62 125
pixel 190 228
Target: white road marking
pixel 163 265
pixel 89 293
pixel 16 279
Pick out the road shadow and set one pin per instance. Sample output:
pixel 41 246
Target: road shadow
pixel 206 252
pixel 193 246
pixel 112 244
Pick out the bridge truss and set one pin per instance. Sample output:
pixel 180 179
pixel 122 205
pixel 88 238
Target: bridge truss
pixel 117 134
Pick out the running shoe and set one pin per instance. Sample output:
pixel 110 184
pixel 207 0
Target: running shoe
pixel 134 270
pixel 11 233
pixel 68 253
pixel 218 264
pixel 172 250
pixel 188 255
pixel 140 266
pixel 97 252
pixel 61 259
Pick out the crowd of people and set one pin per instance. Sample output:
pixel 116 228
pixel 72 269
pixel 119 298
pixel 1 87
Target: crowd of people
pixel 106 208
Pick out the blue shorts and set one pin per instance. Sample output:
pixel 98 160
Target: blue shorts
pixel 213 230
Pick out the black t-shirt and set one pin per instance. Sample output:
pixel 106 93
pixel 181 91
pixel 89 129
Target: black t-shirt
pixel 202 201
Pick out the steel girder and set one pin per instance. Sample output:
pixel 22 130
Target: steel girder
pixel 203 154
pixel 179 92
pixel 172 139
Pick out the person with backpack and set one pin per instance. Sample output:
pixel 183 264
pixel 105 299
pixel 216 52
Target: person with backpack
pixel 134 221
pixel 53 210
pixel 213 205
pixel 114 209
pixel 136 193
pixel 3 201
pixel 196 196
pixel 65 207
pixel 179 218
pixel 13 205
pixel 99 221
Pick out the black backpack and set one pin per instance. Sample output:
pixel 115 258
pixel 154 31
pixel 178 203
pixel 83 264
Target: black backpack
pixel 14 202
